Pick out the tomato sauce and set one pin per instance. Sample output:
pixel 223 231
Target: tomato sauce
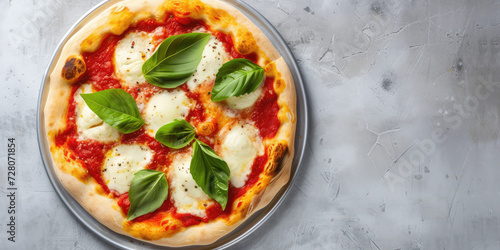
pixel 147 91
pixel 100 72
pixel 234 193
pixel 60 139
pixel 170 26
pixel 93 154
pixel 89 153
pixel 213 211
pixel 100 66
pixel 124 203
pixel 265 113
pixel 197 113
pixel 229 46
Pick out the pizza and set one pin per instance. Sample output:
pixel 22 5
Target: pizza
pixel 170 121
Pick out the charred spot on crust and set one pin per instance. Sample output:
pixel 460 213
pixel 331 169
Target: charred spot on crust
pixel 73 68
pixel 275 151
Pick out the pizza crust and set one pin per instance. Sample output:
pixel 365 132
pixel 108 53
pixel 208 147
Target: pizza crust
pixel 115 17
pixel 285 137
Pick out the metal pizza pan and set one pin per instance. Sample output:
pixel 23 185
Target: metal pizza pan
pixel 251 224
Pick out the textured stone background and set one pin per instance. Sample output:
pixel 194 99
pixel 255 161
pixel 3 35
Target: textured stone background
pixel 403 149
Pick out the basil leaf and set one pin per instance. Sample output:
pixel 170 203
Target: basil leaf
pixel 115 107
pixel 148 191
pixel 175 60
pixel 176 134
pixel 236 77
pixel 210 172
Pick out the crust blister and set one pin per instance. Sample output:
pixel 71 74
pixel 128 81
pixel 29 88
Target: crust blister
pixel 73 68
pixel 275 151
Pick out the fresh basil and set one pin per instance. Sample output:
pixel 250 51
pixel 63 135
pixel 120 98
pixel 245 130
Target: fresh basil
pixel 236 77
pixel 148 191
pixel 210 172
pixel 115 107
pixel 175 60
pixel 176 134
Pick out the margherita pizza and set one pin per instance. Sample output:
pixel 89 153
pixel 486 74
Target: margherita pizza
pixel 171 121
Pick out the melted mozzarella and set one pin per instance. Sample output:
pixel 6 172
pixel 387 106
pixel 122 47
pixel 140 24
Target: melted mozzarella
pixel 164 107
pixel 188 196
pixel 239 148
pixel 214 55
pixel 89 125
pixel 122 162
pixel 246 100
pixel 130 54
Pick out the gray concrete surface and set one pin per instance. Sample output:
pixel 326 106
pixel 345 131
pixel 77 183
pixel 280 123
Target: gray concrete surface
pixel 404 140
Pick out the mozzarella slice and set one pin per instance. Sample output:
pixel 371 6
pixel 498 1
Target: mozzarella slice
pixel 130 54
pixel 164 107
pixel 214 55
pixel 239 148
pixel 122 162
pixel 246 100
pixel 187 195
pixel 89 125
